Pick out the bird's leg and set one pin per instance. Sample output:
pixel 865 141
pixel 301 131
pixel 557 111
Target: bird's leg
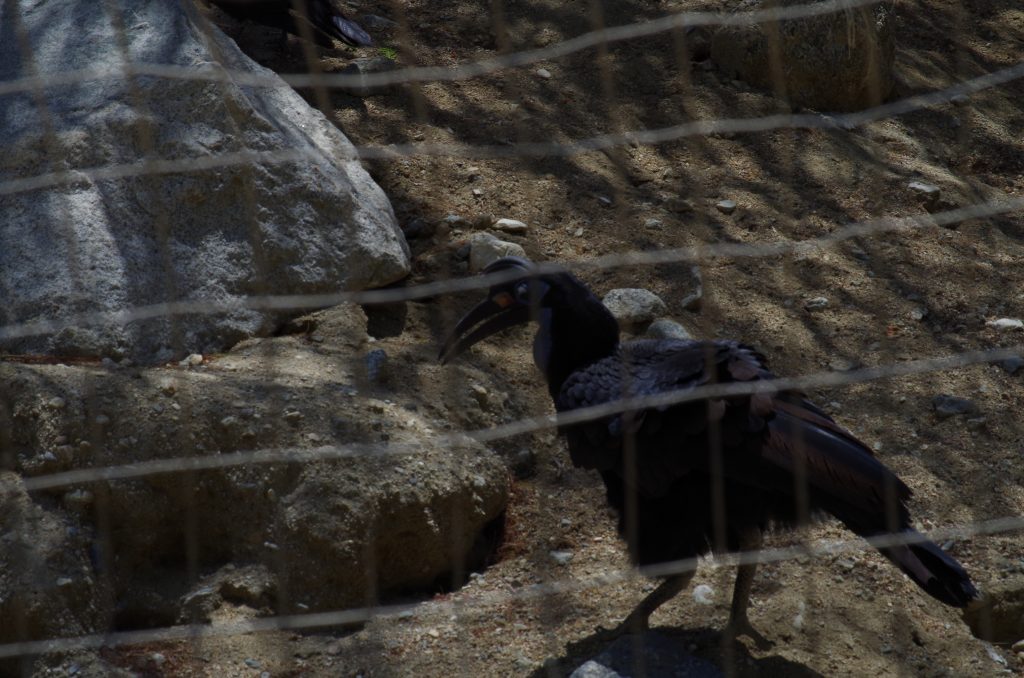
pixel 750 541
pixel 638 620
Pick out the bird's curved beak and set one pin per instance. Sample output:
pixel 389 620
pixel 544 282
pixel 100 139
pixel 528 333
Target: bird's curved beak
pixel 491 316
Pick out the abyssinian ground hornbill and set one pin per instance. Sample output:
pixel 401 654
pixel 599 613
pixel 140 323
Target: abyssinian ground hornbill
pixel 779 458
pixel 321 14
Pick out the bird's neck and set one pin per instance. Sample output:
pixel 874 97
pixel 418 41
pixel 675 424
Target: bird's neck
pixel 570 338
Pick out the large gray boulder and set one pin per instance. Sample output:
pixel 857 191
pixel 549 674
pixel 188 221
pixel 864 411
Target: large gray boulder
pixel 76 241
pixel 840 61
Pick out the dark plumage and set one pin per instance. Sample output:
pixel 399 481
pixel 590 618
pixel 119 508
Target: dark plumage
pixel 321 14
pixel 782 460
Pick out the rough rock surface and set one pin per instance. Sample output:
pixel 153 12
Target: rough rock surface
pixel 632 307
pixel 217 233
pixel 833 62
pixel 393 510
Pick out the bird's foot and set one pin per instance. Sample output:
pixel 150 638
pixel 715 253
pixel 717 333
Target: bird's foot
pixel 741 626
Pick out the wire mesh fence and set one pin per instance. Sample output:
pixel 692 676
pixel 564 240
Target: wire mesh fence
pixel 615 256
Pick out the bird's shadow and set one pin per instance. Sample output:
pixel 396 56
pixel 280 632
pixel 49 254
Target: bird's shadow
pixel 705 652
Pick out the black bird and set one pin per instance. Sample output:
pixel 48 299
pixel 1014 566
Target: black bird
pixel 321 14
pixel 778 459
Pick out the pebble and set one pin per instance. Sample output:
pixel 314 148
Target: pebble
pixel 1006 324
pixel 663 328
pixel 252 663
pixel 633 306
pixel 363 67
pixel 1011 365
pixel 511 226
pixel 919 313
pixel 484 248
pixel 816 303
pixel 841 365
pixel 1018 646
pixel 679 205
pixel 543 73
pixel 960 100
pixel 57 403
pixel 192 360
pixel 695 299
pixel 478 192
pixel 704 594
pixel 157 658
pixel 726 206
pixel 930 192
pixel 561 557
pixel 653 224
pixel 948 406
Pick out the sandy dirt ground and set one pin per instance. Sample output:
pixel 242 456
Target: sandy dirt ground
pixel 891 298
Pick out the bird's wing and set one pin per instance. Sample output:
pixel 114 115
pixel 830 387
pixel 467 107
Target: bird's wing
pixel 767 439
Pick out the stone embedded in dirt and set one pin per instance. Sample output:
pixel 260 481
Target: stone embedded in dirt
pixel 929 192
pixel 510 226
pixel 654 224
pixel 816 303
pixel 362 67
pixel 485 248
pixel 842 365
pixel 726 206
pixel 634 307
pixel 1006 324
pixel 660 655
pixel 663 328
pixel 918 313
pixel 695 299
pixel 838 61
pixel 948 406
pixel 704 594
pixel 561 557
pixel 389 516
pixel 543 73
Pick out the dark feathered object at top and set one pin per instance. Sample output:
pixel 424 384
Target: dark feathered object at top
pixel 707 475
pixel 325 20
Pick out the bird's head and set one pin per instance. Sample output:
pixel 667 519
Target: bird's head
pixel 508 303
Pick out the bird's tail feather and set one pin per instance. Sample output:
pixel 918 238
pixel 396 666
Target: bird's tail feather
pixel 351 32
pixel 931 568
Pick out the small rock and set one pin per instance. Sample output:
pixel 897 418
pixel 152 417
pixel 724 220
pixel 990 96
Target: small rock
pixel 704 594
pixel 57 403
pixel 726 206
pixel 634 307
pixel 543 73
pixel 561 557
pixel 418 228
pixel 948 406
pixel 679 205
pixel 816 303
pixel 929 192
pixel 1006 324
pixel 511 226
pixel 477 192
pixel 484 248
pixel 252 663
pixel 960 100
pixel 1012 365
pixel 192 360
pixel 695 299
pixel 1018 646
pixel 841 365
pixel 363 67
pixel 653 224
pixel 919 313
pixel 663 328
